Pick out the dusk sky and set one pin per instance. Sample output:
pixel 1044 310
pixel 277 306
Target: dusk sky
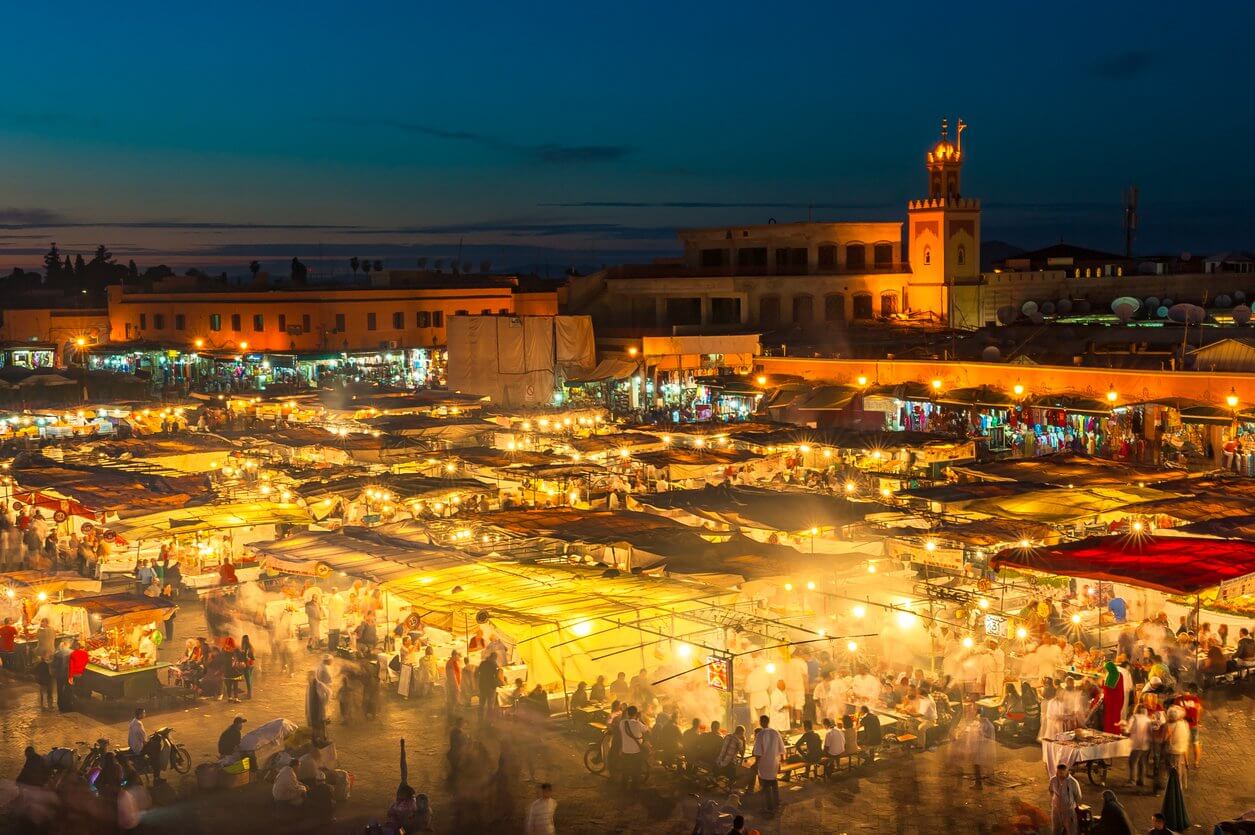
pixel 560 133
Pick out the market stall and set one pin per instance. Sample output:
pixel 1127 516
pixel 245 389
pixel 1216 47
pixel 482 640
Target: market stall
pixel 121 632
pixel 23 594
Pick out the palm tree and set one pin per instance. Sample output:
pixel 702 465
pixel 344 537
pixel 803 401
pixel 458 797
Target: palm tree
pixel 354 264
pixel 379 266
pixel 254 267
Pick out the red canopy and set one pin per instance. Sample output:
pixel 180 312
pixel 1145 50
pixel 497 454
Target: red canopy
pixel 1173 564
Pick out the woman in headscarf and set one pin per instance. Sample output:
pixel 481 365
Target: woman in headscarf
pixel 1114 820
pixel 1112 698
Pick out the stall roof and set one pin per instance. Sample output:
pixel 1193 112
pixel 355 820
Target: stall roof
pixel 108 489
pixel 1060 505
pixel 1231 527
pixel 606 370
pixel 764 509
pixel 695 457
pixel 434 428
pixel 211 517
pixel 1195 508
pixel 403 486
pixel 1065 468
pixel 33 582
pixel 828 398
pixel 984 533
pixel 115 610
pixel 838 437
pixel 1176 565
pixel 154 446
pixel 614 441
pixel 969 492
pixel 484 456
pixel 977 396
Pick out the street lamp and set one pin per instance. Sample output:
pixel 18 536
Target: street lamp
pixel 1232 399
pixel 1111 395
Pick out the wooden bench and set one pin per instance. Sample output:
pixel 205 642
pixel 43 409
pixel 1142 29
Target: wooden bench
pixel 789 771
pixel 904 742
pixel 831 765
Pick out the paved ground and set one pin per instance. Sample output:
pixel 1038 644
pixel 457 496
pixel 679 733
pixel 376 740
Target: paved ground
pixel 902 795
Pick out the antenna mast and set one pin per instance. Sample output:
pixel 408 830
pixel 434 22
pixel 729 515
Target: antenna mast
pixel 1130 219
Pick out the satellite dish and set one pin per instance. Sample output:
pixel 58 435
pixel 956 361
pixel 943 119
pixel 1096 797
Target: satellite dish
pixel 1167 302
pixel 1007 315
pixel 1187 314
pixel 1152 303
pixel 1162 312
pixel 1048 308
pixel 1081 306
pixel 1028 308
pixel 1063 307
pixel 481 616
pixel 1124 310
pixel 991 353
pixel 1036 318
pixel 1128 301
pixel 1241 315
pixel 1239 296
pixel 1223 301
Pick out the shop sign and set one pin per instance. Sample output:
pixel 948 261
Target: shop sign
pixel 717 672
pixel 997 625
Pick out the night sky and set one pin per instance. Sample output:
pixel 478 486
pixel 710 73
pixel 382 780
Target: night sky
pixel 558 133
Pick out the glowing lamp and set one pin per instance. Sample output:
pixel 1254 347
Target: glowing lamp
pixel 862 379
pixel 80 342
pixel 850 487
pixel 1137 526
pixel 827 453
pixel 905 620
pixel 930 546
pixel 1232 399
pixel 632 351
pixel 684 650
pixel 871 568
pixel 967 642
pixel 1112 396
pixel 9 593
pixel 1024 543
pixel 42 596
pixel 582 628
pixel 1076 618
pixel 822 632
pixel 771 669
pixel 859 611
pixel 762 380
pixel 814 531
pixel 886 492
pixel 1021 633
pixel 810 586
pixel 1018 389
pixel 699 443
pixel 448 468
pixel 936 385
pixel 852 646
pixel 199 343
pixel 983 603
pixel 244 346
pixel 788 587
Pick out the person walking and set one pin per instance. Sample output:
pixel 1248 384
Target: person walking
pixel 489 677
pixel 1178 747
pixel 631 747
pixel 167 595
pixel 768 753
pixel 314 613
pixel 456 755
pixel 316 696
pixel 1065 796
pixel 1141 733
pixel 43 677
pixel 453 682
pixel 61 677
pixel 248 658
pixel 540 813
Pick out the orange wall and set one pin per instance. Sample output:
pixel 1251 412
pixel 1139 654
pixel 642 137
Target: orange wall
pixel 321 307
pixel 536 304
pixel 55 325
pixel 1130 386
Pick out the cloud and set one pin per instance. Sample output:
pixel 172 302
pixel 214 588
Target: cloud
pixel 15 218
pixel 1124 66
pixel 545 154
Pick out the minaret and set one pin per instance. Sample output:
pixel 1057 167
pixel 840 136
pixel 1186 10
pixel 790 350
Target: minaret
pixel 943 234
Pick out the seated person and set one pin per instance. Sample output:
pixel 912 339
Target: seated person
pixel 538 700
pixel 810 747
pixel 579 698
pixel 287 789
pixel 666 739
pixel 709 745
pixel 1216 664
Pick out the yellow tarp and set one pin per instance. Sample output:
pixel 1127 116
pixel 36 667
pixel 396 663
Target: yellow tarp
pixel 210 517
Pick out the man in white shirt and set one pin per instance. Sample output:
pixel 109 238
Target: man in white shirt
pixel 823 696
pixel 631 737
pixel 866 687
pixel 778 706
pixel 540 813
pixel 796 676
pixel 1141 733
pixel 768 754
pixel 834 742
pixel 136 737
pixel 926 711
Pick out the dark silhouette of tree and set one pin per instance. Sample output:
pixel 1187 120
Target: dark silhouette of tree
pixel 132 271
pixel 379 266
pixel 254 267
pixel 354 264
pixel 366 266
pixel 52 262
pixel 300 273
pixel 103 255
pixel 80 266
pixel 67 269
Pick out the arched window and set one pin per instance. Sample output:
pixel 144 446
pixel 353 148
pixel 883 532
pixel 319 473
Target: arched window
pixel 803 310
pixel 855 257
pixel 862 305
pixel 834 308
pixel 961 256
pixel 882 256
pixel 928 255
pixel 888 304
pixel 769 311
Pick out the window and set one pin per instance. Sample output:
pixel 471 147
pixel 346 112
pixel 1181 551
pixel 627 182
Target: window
pixel 827 257
pixel 437 318
pixel 769 311
pixel 283 323
pixel 503 312
pixel 306 325
pixel 235 322
pixel 143 321
pixel 752 260
pixel 713 258
pixel 339 323
pixel 459 312
pixel 180 322
pixel 159 321
pixel 882 256
pixel 398 321
pixel 803 310
pixel 960 257
pixel 683 311
pixel 372 322
pixel 862 305
pixel 725 311
pixel 215 321
pixel 834 308
pixel 855 257
pixel 423 319
pixel 259 323
pixel 888 304
pixel 928 255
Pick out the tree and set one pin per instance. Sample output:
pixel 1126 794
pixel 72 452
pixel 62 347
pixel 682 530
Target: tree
pixel 354 264
pixel 366 266
pixel 103 255
pixel 254 267
pixel 67 269
pixel 300 273
pixel 80 266
pixel 379 266
pixel 132 271
pixel 52 262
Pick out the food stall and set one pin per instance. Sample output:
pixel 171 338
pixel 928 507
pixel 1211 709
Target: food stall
pixel 23 593
pixel 121 632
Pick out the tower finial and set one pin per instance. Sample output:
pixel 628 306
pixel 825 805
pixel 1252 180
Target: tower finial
pixel 958 134
pixel 945 128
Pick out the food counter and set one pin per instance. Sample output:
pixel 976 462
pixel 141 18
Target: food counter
pixel 128 684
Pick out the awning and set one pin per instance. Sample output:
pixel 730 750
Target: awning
pixel 125 609
pixel 1077 404
pixel 828 398
pixel 978 396
pixel 606 370
pixel 1176 565
pixel 210 518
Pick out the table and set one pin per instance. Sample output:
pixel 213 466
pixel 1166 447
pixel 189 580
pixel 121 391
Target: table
pixel 1105 747
pixel 131 685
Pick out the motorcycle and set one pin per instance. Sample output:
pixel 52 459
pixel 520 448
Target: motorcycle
pixel 174 754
